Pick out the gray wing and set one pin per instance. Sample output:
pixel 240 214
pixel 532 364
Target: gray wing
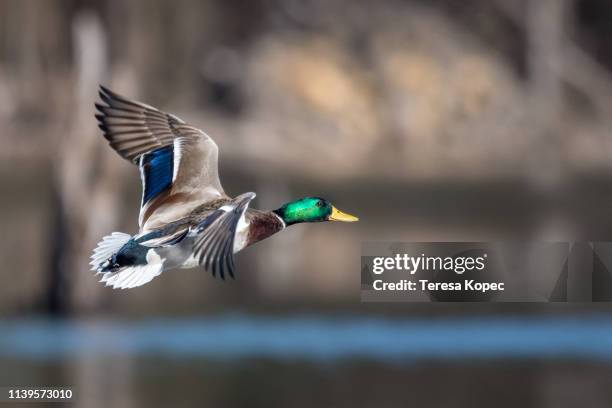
pixel 134 128
pixel 178 162
pixel 214 247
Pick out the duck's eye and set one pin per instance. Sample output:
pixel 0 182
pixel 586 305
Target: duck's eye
pixel 319 203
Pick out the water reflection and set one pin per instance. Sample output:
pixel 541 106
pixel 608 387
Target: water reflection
pixel 310 360
pixel 313 338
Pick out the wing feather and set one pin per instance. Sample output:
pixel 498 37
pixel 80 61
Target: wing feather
pixel 214 247
pixel 135 129
pixel 124 121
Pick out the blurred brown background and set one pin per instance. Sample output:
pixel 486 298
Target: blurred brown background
pixel 430 120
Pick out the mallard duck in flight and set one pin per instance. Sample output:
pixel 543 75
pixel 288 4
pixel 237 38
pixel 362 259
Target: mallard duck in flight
pixel 186 219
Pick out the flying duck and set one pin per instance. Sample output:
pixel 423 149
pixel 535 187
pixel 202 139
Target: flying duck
pixel 186 219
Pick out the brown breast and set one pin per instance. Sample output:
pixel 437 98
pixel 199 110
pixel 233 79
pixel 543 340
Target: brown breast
pixel 262 224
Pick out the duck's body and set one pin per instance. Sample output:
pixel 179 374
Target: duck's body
pixel 186 219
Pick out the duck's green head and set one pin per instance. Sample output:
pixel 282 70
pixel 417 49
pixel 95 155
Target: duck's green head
pixel 312 209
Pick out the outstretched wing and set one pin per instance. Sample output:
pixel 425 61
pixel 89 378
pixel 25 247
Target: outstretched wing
pixel 178 162
pixel 214 247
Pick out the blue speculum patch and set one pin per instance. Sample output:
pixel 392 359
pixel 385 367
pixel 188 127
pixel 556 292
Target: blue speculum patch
pixel 156 169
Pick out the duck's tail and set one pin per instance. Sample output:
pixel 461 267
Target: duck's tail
pixel 116 271
pixel 106 248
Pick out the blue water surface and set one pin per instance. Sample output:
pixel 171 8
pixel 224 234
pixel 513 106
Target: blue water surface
pixel 312 337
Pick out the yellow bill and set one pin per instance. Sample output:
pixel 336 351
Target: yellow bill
pixel 338 215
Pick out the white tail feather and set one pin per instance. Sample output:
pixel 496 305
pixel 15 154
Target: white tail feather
pixel 107 247
pixel 132 276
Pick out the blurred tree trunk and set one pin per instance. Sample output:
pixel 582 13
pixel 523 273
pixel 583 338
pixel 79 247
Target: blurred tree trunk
pixel 545 26
pixel 87 189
